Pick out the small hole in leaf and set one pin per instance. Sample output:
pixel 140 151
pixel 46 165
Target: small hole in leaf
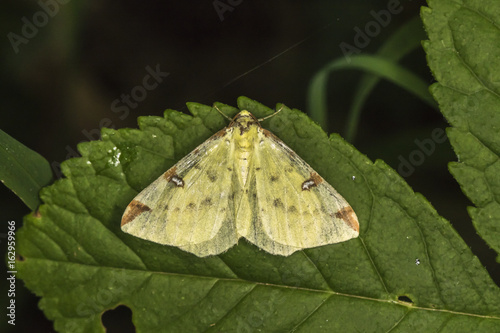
pixel 405 299
pixel 19 257
pixel 118 320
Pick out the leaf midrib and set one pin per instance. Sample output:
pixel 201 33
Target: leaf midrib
pixel 328 292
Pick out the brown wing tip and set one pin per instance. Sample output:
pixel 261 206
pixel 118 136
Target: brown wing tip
pixel 347 215
pixel 134 209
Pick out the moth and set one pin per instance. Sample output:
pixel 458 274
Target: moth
pixel 243 182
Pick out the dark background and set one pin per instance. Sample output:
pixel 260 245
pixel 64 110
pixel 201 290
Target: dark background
pixel 61 84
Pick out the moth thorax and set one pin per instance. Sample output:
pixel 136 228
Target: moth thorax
pixel 245 139
pixel 244 149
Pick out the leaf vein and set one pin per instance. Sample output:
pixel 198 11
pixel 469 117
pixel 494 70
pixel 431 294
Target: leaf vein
pixel 234 307
pixel 399 321
pixel 310 314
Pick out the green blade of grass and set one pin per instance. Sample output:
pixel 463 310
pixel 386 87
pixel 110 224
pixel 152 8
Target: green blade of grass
pixel 401 43
pixel 23 170
pixel 377 65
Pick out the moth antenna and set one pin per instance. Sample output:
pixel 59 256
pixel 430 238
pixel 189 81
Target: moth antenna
pixel 272 115
pixel 222 113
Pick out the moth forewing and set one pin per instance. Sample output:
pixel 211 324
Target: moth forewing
pixel 242 182
pixel 190 204
pixel 293 207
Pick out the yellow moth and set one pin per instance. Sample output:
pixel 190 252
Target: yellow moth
pixel 241 182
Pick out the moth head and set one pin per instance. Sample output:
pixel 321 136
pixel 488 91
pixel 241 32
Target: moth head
pixel 244 120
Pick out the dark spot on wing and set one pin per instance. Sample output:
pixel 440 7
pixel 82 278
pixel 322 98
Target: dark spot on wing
pixel 171 176
pixel 134 209
pixel 207 202
pixel 314 181
pixel 277 203
pixel 212 176
pixel 257 169
pixel 307 185
pixel 292 209
pixel 229 169
pixel 178 181
pixel 190 205
pixel 274 178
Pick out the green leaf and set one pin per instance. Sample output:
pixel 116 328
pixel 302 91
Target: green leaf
pixel 463 52
pixel 23 170
pixel 75 257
